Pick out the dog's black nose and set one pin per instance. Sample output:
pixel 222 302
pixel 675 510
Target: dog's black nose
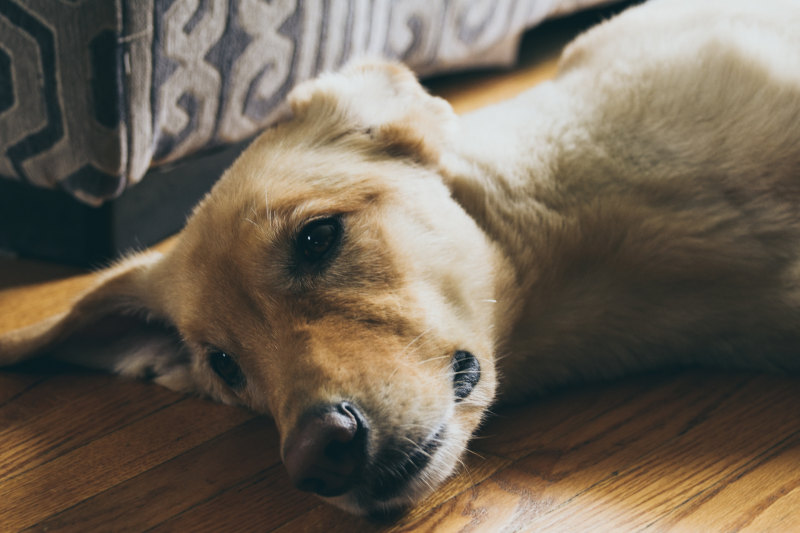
pixel 466 374
pixel 327 450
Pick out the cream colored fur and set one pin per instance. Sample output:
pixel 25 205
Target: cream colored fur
pixel 640 210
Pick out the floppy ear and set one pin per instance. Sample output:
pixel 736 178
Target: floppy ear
pixel 112 327
pixel 384 100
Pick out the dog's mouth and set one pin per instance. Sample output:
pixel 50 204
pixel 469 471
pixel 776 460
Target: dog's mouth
pixel 390 482
pixel 396 467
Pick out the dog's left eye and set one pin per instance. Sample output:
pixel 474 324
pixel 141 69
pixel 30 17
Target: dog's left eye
pixel 226 368
pixel 318 239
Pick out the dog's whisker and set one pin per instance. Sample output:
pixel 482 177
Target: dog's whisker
pixel 415 444
pixel 267 209
pixel 476 454
pixel 410 426
pixel 425 478
pixel 436 358
pixel 418 337
pixel 394 372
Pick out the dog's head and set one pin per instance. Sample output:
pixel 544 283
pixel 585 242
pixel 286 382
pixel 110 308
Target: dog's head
pixel 329 280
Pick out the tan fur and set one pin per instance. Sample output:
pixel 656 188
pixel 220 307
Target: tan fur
pixel 642 209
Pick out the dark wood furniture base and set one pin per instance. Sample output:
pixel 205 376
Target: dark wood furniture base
pixel 51 225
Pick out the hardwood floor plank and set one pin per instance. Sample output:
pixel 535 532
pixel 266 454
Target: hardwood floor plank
pixel 66 412
pixel 329 519
pixel 765 486
pixel 585 428
pixel 715 442
pixel 262 502
pixel 13 385
pixel 155 496
pixel 499 503
pixel 781 515
pixel 514 431
pixel 26 301
pixel 473 91
pixel 35 495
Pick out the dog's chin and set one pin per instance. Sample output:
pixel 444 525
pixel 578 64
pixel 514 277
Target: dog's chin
pixel 388 495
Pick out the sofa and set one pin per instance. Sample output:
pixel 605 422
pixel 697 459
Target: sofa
pixel 117 116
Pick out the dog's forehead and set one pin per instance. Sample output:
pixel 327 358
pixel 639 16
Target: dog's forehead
pixel 297 180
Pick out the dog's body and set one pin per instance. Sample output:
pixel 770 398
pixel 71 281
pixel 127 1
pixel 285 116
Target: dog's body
pixel 370 270
pixel 660 175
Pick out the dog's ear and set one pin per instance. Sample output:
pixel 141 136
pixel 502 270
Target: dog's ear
pixel 112 327
pixel 383 100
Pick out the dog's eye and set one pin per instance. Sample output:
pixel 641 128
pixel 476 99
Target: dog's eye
pixel 226 368
pixel 318 239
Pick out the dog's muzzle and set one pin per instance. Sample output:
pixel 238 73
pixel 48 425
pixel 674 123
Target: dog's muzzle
pixel 328 452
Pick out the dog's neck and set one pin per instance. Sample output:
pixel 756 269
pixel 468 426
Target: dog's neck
pixel 506 171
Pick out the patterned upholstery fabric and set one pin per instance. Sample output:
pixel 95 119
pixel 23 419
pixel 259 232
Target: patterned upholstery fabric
pixel 95 92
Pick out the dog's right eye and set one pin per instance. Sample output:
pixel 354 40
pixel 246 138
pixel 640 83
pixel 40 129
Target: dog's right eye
pixel 318 240
pixel 226 368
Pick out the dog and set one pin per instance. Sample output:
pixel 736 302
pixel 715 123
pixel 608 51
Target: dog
pixel 375 272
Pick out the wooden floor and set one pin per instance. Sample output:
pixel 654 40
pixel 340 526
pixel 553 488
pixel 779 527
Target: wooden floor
pixel 693 451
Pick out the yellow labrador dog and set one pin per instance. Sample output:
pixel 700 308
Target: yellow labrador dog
pixel 369 272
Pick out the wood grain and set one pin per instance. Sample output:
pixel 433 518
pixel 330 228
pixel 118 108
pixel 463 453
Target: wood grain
pixel 675 451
